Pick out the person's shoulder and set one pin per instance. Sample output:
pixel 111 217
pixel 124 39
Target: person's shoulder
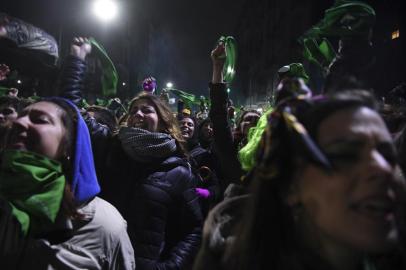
pixel 178 170
pixel 176 163
pixel 108 217
pixel 199 151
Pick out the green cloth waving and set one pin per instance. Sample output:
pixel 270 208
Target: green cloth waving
pixel 187 98
pixel 110 75
pixel 345 19
pixel 231 57
pixel 34 186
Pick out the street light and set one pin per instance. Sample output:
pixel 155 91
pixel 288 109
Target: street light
pixel 169 85
pixel 105 10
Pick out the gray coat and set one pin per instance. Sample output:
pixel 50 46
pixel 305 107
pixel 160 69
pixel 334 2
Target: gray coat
pixel 100 241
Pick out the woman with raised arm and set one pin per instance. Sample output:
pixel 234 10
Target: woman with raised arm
pixel 145 174
pixel 226 142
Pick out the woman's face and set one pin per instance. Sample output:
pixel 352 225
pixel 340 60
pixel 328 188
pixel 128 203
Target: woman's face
pixel 39 129
pixel 354 206
pixel 187 127
pixel 249 120
pixel 7 115
pixel 144 115
pixel 207 130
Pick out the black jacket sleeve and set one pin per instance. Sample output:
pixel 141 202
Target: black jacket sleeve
pixel 71 84
pixel 71 80
pixel 226 152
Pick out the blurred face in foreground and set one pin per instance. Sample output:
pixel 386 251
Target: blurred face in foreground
pixel 353 208
pixel 39 128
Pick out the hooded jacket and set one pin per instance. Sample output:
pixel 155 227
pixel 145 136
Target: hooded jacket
pixel 96 240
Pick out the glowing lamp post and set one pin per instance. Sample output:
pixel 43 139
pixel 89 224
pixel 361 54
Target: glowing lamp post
pixel 105 10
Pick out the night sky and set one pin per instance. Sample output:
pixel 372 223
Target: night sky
pixel 183 32
pixel 172 39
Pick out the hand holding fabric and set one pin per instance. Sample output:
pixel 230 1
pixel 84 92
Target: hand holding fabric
pixel 80 47
pixel 218 57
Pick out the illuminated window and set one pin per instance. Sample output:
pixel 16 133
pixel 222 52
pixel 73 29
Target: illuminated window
pixel 395 34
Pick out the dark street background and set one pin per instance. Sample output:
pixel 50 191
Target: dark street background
pixel 171 40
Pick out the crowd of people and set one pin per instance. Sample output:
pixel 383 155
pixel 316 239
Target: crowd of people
pixel 315 182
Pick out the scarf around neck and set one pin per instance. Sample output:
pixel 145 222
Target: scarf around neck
pixel 34 186
pixel 145 146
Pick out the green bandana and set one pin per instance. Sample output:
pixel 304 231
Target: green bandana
pixel 34 186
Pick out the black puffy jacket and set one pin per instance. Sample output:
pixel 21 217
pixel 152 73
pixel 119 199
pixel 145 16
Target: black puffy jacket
pixel 161 208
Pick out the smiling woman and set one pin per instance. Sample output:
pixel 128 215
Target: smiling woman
pixel 145 173
pixel 326 191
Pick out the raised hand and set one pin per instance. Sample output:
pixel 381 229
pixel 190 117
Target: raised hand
pixel 80 47
pixel 218 57
pixel 4 71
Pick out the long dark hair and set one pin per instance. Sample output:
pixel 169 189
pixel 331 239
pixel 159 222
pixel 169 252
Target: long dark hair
pixel 267 237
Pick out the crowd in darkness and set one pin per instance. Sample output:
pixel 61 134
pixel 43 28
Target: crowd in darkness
pixel 313 182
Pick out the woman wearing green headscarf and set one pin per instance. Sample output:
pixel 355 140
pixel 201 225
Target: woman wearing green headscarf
pixel 51 216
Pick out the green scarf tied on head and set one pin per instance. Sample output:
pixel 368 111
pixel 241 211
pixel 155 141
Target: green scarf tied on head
pixel 34 186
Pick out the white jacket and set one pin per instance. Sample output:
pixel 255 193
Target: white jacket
pixel 100 241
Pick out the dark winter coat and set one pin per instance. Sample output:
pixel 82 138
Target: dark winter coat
pixel 219 231
pixel 157 199
pixel 200 159
pixel 160 205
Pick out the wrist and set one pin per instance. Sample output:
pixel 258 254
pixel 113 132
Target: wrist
pixel 218 66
